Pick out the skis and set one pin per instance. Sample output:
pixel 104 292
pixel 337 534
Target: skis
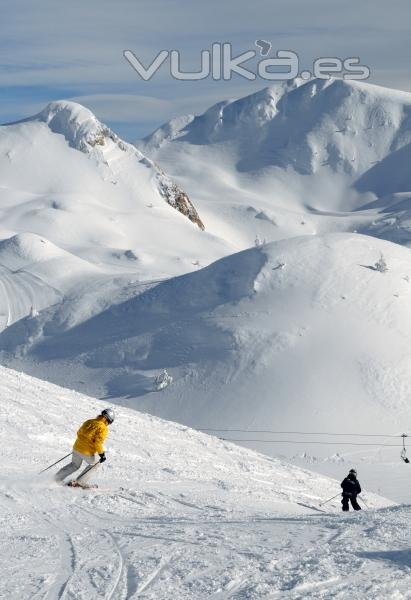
pixel 83 486
pixel 311 507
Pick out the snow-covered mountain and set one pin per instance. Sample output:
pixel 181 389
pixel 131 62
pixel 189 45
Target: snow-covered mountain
pixel 80 206
pixel 123 162
pixel 344 125
pixel 295 158
pixel 176 510
pixel 101 292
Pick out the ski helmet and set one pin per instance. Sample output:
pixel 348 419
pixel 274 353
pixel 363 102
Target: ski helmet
pixel 353 472
pixel 109 414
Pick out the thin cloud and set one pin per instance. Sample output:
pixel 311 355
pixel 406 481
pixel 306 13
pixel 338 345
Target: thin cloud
pixel 76 49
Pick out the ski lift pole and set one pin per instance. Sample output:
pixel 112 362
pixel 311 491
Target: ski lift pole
pixel 404 450
pixel 56 463
pixel 329 499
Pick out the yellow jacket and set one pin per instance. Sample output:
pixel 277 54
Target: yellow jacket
pixel 91 436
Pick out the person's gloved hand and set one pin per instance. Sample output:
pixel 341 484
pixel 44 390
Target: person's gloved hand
pixel 103 457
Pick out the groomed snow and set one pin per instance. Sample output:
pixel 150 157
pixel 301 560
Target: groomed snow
pixel 177 514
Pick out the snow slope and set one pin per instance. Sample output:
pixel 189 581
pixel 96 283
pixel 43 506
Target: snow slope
pixel 65 175
pixel 90 241
pixel 123 162
pixel 300 335
pixel 254 323
pixel 178 514
pixel 79 206
pixel 291 159
pixel 344 125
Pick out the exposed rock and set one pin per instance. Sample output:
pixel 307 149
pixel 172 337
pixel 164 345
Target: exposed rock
pixel 178 199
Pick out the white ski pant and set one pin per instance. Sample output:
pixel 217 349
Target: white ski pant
pixel 76 462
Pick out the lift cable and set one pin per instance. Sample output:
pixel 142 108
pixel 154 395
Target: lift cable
pixel 262 441
pixel 334 434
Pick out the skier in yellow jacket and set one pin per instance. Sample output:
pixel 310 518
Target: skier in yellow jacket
pixel 89 442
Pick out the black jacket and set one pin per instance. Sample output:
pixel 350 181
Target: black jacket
pixel 351 486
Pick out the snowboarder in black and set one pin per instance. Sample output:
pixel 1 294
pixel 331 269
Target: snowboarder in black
pixel 351 488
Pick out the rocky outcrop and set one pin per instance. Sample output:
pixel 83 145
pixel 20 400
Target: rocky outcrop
pixel 179 200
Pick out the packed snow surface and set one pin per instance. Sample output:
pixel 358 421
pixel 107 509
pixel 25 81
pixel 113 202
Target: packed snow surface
pixel 177 514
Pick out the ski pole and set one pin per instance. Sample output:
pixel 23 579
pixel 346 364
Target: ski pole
pixel 88 470
pixel 56 463
pixel 329 500
pixel 366 505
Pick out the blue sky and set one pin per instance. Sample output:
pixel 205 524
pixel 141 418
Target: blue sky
pixel 52 49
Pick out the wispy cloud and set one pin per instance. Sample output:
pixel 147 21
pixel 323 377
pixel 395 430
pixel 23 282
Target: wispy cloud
pixel 52 49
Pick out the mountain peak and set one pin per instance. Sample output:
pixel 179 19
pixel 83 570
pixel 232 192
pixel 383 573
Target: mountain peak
pixel 78 124
pixel 84 132
pixel 308 126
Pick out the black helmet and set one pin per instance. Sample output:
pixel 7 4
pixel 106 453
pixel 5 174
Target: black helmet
pixel 108 413
pixel 353 472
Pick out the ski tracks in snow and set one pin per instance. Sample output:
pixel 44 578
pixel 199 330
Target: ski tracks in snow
pixel 126 545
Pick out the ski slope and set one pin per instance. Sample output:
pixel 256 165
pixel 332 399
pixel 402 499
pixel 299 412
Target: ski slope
pixel 300 335
pixel 177 513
